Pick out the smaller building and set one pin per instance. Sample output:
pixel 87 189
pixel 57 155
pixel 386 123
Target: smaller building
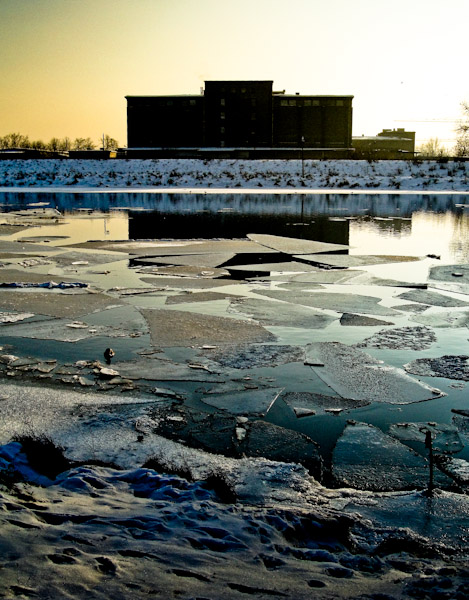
pixel 389 144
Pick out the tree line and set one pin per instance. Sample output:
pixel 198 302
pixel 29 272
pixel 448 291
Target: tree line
pixel 18 140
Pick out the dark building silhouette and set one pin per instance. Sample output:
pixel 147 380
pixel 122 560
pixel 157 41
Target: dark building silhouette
pixel 239 114
pixel 162 121
pixel 389 144
pixel 312 121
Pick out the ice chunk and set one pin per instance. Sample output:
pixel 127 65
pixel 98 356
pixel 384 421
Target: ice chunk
pixel 12 317
pixel 294 245
pixel 456 468
pixel 401 338
pixel 431 298
pixel 344 261
pixel 446 272
pixel 274 314
pixel 366 458
pixel 357 375
pixel 257 355
pixel 444 319
pixel 178 328
pixel 248 402
pixel 449 366
pixel 353 303
pixel 309 403
pixel 352 320
pixel 445 438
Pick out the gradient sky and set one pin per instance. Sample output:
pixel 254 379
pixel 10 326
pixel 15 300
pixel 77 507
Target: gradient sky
pixel 66 65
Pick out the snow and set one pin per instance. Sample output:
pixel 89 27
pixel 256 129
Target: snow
pixel 343 176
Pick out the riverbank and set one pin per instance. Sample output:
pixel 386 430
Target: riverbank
pixel 175 174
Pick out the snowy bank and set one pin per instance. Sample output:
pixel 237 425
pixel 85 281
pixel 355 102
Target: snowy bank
pixel 244 174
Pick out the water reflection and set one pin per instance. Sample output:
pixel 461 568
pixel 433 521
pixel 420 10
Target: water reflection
pixel 413 224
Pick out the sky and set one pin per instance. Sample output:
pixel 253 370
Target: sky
pixel 67 65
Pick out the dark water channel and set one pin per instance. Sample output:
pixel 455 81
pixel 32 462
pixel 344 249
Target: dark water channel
pixel 381 224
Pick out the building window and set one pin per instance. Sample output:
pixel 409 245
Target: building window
pixel 340 103
pixel 283 102
pixel 292 103
pixel 222 130
pixel 307 102
pixel 253 116
pixel 192 102
pixel 315 102
pixel 222 116
pixel 253 102
pixel 222 102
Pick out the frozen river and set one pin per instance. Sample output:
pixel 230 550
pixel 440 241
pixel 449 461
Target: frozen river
pixel 392 228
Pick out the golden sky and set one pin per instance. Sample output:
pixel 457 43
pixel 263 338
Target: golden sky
pixel 66 65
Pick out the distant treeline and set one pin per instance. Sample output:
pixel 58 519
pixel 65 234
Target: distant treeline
pixel 18 140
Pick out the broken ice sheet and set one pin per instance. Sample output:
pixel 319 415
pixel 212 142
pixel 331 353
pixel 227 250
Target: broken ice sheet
pixel 319 276
pixel 184 283
pixel 209 296
pixel 258 355
pixel 448 366
pixel 357 375
pixel 153 369
pixel 189 271
pixel 179 328
pixel 209 260
pixel 281 444
pixel 454 318
pixel 456 468
pixel 289 245
pixel 431 298
pixel 445 438
pixel 351 320
pixel 308 403
pixel 61 330
pixel 54 304
pixel 461 422
pixel 344 261
pixel 274 314
pixel 451 273
pixel 68 259
pixel 444 518
pixel 352 303
pixel 276 267
pixel 366 458
pixel 248 402
pixel 400 338
pixel 12 317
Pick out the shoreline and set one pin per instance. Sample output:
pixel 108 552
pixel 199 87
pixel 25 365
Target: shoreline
pixel 226 191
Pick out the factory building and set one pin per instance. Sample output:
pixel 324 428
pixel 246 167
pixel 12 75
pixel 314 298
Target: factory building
pixel 239 115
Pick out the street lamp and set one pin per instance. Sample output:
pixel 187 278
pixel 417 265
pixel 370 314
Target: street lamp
pixel 302 156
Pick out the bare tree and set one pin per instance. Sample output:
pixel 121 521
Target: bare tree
pixel 83 144
pixel 15 140
pixel 109 143
pixel 432 149
pixel 462 131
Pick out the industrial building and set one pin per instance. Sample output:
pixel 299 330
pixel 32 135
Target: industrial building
pixel 389 144
pixel 246 116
